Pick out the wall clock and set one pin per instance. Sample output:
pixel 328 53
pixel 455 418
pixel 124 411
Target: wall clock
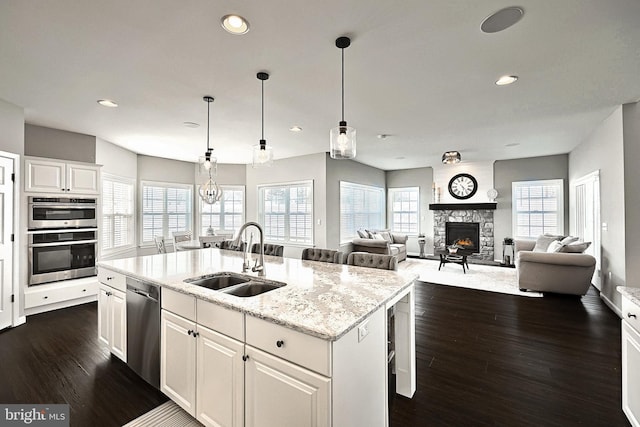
pixel 463 186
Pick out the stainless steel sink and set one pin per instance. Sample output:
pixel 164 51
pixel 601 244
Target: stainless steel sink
pixel 253 288
pixel 239 285
pixel 219 281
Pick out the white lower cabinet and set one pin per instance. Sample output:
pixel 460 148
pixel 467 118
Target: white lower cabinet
pixel 202 371
pixel 631 362
pixel 279 393
pixel 112 320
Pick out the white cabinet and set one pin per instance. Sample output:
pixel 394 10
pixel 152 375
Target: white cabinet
pixel 51 176
pixel 631 361
pixel 279 393
pixel 112 320
pixel 201 369
pixel 53 296
pixel 112 312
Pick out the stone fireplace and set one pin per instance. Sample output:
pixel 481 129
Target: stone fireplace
pixel 479 214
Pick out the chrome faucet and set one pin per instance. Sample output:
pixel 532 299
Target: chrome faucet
pixel 259 265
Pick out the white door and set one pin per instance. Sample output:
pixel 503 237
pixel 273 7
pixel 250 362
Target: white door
pixel 279 393
pixel 586 217
pixel 178 361
pixel 6 245
pixel 220 380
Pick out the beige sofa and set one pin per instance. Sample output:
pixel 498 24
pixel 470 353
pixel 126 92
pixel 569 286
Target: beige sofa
pixel 395 245
pixel 559 272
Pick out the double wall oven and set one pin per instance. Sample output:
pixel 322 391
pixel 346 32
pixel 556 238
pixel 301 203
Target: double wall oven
pixel 63 238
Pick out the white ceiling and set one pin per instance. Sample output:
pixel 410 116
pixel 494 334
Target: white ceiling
pixel 420 71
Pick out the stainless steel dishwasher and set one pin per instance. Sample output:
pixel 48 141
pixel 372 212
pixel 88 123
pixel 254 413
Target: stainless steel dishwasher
pixel 143 330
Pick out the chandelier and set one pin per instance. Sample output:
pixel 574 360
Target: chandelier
pixel 209 191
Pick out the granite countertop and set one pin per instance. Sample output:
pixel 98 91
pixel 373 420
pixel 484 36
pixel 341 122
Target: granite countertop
pixel 321 299
pixel 632 293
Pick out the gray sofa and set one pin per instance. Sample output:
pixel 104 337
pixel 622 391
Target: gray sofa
pixel 395 244
pixel 558 272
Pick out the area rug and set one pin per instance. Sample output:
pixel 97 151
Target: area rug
pixel 168 414
pixel 482 277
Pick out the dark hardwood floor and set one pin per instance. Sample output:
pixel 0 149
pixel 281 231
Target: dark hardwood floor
pixel 483 359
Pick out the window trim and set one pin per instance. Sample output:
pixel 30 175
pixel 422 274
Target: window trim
pixel 123 180
pixel 190 187
pixel 260 209
pixel 558 183
pixel 232 187
pixel 390 210
pixel 383 205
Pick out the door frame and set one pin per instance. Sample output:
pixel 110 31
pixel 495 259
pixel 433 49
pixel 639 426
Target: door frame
pixel 591 178
pixel 16 318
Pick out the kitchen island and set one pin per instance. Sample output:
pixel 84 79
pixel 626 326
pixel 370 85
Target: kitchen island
pixel 313 352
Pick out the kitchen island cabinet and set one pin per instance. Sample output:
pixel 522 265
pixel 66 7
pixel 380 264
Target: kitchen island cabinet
pixel 311 353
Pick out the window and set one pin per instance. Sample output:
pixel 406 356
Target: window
pixel 165 208
pixel 286 210
pixel 227 214
pixel 403 209
pixel 538 208
pixel 361 206
pixel 117 213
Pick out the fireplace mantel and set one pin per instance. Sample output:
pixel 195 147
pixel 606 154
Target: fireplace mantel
pixel 461 206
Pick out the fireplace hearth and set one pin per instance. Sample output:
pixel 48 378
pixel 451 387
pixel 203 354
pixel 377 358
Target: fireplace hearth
pixel 465 235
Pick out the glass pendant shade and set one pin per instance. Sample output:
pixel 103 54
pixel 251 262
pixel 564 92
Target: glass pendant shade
pixel 342 142
pixel 262 154
pixel 451 157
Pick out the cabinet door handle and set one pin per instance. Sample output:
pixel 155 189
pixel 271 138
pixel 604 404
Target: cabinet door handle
pixel 280 343
pixel 195 334
pixel 109 278
pixel 245 357
pixel 189 332
pixel 630 315
pixel 45 297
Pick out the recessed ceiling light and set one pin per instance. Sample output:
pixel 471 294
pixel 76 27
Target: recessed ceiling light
pixel 191 125
pixel 107 103
pixel 506 80
pixel 235 24
pixel 502 19
pixel 512 144
pixel 295 129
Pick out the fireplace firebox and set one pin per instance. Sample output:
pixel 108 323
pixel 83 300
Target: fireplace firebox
pixel 465 235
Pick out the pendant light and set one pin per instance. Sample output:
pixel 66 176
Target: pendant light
pixel 343 137
pixel 262 153
pixel 209 191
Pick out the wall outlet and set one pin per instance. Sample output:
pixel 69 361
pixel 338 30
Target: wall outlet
pixel 363 331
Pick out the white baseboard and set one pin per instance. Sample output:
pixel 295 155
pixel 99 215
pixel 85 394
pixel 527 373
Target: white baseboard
pixel 611 305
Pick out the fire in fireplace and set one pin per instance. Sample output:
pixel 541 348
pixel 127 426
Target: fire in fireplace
pixel 465 235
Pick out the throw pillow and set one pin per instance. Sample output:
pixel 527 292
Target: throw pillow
pixel 554 246
pixel 369 233
pixel 576 248
pixel 386 236
pixel 543 242
pixel 378 236
pixel 569 239
pixel 362 234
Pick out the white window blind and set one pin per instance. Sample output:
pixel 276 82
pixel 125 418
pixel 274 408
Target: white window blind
pixel 286 212
pixel 361 207
pixel 404 209
pixel 538 208
pixel 225 215
pixel 117 213
pixel 165 208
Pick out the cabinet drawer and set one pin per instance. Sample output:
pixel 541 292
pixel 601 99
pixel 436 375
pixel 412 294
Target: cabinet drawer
pixel 58 292
pixel 113 279
pixel 301 349
pixel 629 310
pixel 181 304
pixel 220 319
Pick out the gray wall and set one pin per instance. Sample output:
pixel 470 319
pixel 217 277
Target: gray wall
pixel 59 144
pixel 422 178
pixel 226 175
pixel 529 169
pixel 631 129
pixel 603 150
pixel 302 168
pixel 351 171
pixel 165 170
pixel 116 160
pixel 12 125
